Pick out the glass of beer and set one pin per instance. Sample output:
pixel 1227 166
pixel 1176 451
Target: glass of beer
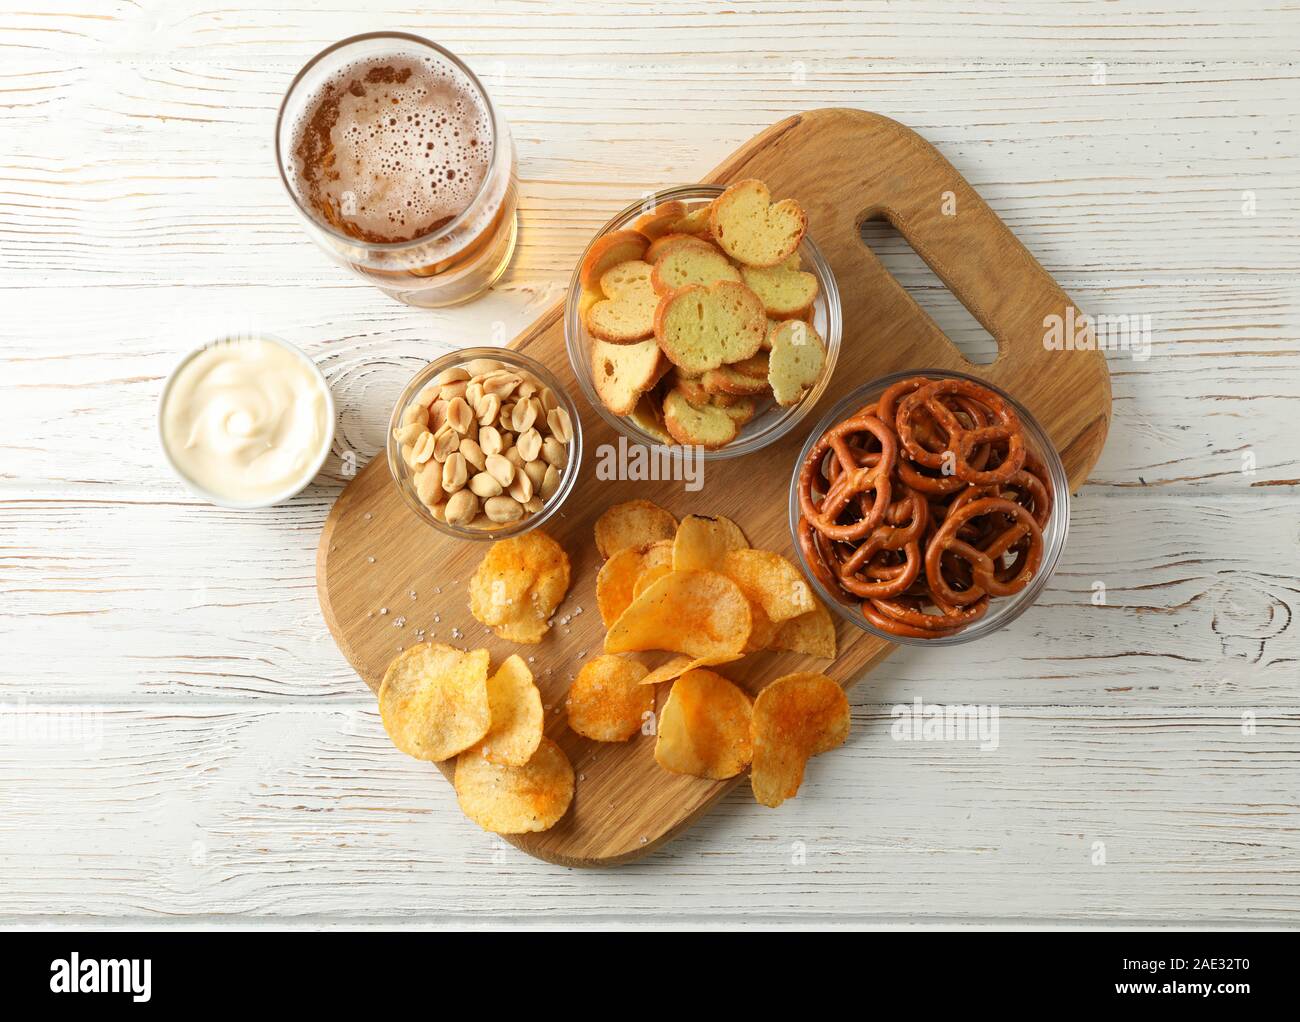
pixel 400 167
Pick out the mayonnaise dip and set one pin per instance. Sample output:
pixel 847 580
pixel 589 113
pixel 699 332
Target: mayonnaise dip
pixel 248 420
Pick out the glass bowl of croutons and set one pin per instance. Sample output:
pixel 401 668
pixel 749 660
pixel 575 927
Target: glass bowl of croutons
pixel 704 318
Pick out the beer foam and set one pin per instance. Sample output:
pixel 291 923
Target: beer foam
pixel 391 149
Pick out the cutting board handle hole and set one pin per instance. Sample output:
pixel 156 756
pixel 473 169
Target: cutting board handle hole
pixel 928 290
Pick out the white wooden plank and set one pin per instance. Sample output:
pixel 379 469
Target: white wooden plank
pixel 178 812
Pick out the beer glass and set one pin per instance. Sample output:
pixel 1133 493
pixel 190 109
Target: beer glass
pixel 370 188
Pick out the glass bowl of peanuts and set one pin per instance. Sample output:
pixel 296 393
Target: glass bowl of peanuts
pixel 484 443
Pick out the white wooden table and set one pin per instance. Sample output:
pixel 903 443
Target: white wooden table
pixel 182 744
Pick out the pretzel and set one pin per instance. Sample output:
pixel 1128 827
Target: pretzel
pixel 924 507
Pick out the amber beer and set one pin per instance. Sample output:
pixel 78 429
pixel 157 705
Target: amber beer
pixel 391 150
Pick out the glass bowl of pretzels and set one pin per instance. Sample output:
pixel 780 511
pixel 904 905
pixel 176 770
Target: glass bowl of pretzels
pixel 929 508
pixel 684 336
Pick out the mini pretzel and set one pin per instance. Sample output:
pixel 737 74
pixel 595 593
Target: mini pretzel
pixel 924 507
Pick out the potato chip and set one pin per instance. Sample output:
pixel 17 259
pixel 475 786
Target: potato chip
pixel 795 718
pixel 762 629
pixel 704 727
pixel 812 634
pixel 618 578
pixel 515 799
pixel 634 523
pixel 700 613
pixel 679 665
pixel 606 702
pixel 518 585
pixel 517 717
pixel 434 700
pixel 648 577
pixel 700 542
pixel 770 580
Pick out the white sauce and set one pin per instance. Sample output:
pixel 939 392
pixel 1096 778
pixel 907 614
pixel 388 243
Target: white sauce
pixel 246 419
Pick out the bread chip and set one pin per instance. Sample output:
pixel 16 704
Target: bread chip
pixel 518 585
pixel 812 634
pixel 633 523
pixel 700 613
pixel 618 577
pixel 606 701
pixel 660 220
pixel 741 409
pixel 695 222
pixel 706 426
pixel 701 542
pixel 795 362
pixel 621 373
pixel 434 700
pixel 661 246
pixel 729 380
pixel 701 328
pixel 786 293
pixel 795 718
pixel 679 665
pixel 516 799
pixel 704 729
pixel 517 717
pixel 628 312
pixel 649 415
pixel 691 264
pixel 771 580
pixel 752 229
pixel 608 251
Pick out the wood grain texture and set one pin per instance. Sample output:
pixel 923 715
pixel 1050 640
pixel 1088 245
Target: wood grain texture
pixel 373 551
pixel 140 214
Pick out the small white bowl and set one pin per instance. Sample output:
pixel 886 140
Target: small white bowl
pixel 299 485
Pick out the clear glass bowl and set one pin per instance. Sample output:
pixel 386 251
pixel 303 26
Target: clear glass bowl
pixel 1002 610
pixel 774 422
pixel 403 476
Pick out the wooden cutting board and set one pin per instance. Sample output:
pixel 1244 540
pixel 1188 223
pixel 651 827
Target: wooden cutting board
pixel 845 167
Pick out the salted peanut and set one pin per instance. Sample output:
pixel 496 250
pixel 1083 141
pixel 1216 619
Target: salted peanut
pixel 553 452
pixel 534 505
pixel 459 415
pixel 701 328
pixel 501 468
pixel 487 409
pixel 550 482
pixel 697 425
pixel 529 386
pixel 481 367
pixel 455 473
pixel 795 362
pixel 451 391
pixel 549 400
pixel 484 485
pixel 439 510
pixel 445 443
pixel 521 488
pixel 502 510
pixel 415 413
pixel 536 472
pixel 659 221
pixel 628 312
pixel 525 414
pixel 409 433
pixel 560 425
pixel 512 455
pixel 422 449
pixel 489 439
pixel 608 251
pixel 529 444
pixel 428 485
pixel 752 229
pixel 505 417
pixel 473 453
pixel 428 394
pixel 621 373
pixel 455 374
pixel 437 415
pixel 473 393
pixel 691 265
pixel 502 384
pixel 462 508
